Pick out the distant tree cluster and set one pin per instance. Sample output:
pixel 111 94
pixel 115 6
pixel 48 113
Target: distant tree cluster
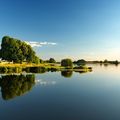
pixel 116 62
pixel 80 62
pixel 17 51
pixel 83 62
pixel 52 60
pixel 111 62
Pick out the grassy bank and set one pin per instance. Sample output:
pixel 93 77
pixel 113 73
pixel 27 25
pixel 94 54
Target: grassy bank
pixel 38 68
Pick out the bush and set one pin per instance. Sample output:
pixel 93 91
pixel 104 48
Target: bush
pixel 81 62
pixel 52 60
pixel 3 69
pixel 67 63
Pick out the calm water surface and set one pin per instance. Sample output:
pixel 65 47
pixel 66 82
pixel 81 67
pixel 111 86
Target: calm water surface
pixel 62 96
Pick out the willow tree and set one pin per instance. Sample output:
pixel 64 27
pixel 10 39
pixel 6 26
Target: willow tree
pixel 16 50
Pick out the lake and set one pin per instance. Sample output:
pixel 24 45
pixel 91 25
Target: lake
pixel 62 96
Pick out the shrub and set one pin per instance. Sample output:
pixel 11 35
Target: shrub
pixel 67 63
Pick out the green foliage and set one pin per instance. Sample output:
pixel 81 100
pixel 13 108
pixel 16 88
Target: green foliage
pixel 16 51
pixel 116 62
pixel 3 70
pixel 81 62
pixel 67 63
pixel 16 85
pixel 10 69
pixel 41 61
pixel 52 60
pixel 36 60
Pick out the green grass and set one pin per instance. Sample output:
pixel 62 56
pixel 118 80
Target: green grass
pixel 18 68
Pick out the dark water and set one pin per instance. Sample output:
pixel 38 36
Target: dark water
pixel 62 96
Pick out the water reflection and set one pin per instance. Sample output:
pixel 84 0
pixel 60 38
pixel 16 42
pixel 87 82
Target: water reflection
pixel 16 85
pixel 35 70
pixel 107 64
pixel 42 82
pixel 19 84
pixel 88 96
pixel 67 74
pixel 5 70
pixel 81 72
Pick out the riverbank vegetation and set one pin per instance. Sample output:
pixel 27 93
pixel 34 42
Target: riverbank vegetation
pixel 17 56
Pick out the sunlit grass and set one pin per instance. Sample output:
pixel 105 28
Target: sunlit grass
pixel 17 67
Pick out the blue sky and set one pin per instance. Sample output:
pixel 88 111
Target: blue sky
pixel 88 29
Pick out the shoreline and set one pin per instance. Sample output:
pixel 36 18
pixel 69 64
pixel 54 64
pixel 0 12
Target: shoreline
pixel 39 68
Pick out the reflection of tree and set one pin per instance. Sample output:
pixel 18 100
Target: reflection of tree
pixel 84 71
pixel 116 65
pixel 67 74
pixel 106 65
pixel 81 72
pixel 35 69
pixel 16 85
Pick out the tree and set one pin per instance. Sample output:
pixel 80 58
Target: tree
pixel 105 61
pixel 41 61
pixel 52 60
pixel 17 51
pixel 36 60
pixel 67 63
pixel 116 62
pixel 30 54
pixel 81 62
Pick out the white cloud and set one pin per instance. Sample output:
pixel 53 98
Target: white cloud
pixel 40 44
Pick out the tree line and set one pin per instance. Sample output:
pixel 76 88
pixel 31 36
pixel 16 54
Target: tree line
pixel 17 51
